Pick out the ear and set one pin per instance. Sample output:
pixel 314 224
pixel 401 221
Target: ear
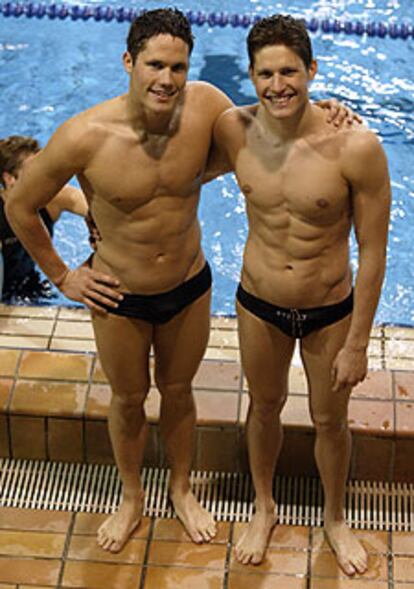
pixel 312 69
pixel 8 179
pixel 127 60
pixel 251 72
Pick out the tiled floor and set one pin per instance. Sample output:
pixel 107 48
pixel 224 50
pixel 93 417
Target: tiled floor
pixel 53 404
pixel 52 549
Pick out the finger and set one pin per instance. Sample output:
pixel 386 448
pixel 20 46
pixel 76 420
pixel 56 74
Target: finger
pixel 100 299
pixel 104 278
pixel 94 307
pixel 101 289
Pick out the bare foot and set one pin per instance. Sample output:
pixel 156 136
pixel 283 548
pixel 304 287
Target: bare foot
pixel 198 523
pixel 349 552
pixel 116 530
pixel 252 546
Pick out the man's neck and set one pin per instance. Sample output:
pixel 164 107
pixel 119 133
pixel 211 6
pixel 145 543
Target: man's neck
pixel 148 123
pixel 289 128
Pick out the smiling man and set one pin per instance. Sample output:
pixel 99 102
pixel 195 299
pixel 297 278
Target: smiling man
pixel 305 185
pixel 140 159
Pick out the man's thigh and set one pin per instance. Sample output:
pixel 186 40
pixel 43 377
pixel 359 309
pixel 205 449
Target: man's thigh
pixel 319 350
pixel 180 344
pixel 266 353
pixel 123 346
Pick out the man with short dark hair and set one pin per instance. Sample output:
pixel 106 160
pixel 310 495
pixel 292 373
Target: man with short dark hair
pixel 305 185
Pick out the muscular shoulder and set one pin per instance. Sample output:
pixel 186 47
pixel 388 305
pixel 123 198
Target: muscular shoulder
pixel 80 136
pixel 363 154
pixel 207 99
pixel 232 124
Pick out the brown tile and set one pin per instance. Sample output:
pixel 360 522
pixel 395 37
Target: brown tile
pixel 223 338
pixel 261 581
pixel 344 583
pixel 211 556
pixel 297 453
pixel 27 327
pixel 184 578
pixel 64 344
pixel 403 543
pixel 97 403
pixel 173 530
pixel 49 398
pixel 296 412
pixel 4 437
pixel 65 439
pixel 28 437
pixel 223 376
pixel 5 388
pixel 55 366
pixel 217 449
pixel 86 548
pixel 34 544
pixel 152 405
pixel 32 342
pixel 374 542
pixel 404 385
pixel 100 575
pixel 277 560
pixel 8 362
pixel 296 537
pixel 404 463
pixel 377 385
pixel 372 458
pixel 97 442
pixel 297 380
pixel 98 374
pixel 76 329
pixel 403 568
pixel 216 407
pixel 87 524
pixel 375 417
pixel 34 520
pixel 34 571
pixel 404 418
pixel 324 564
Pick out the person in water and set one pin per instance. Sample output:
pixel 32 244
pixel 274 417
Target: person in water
pixel 19 279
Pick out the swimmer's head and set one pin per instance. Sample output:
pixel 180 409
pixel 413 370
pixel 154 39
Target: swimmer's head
pixel 14 150
pixel 280 30
pixel 163 21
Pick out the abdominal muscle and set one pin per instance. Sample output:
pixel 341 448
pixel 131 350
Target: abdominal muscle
pixel 296 277
pixel 149 256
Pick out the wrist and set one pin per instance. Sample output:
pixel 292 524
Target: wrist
pixel 61 279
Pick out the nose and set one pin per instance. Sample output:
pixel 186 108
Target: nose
pixel 277 83
pixel 165 77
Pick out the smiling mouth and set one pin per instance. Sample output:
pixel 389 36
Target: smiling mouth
pixel 163 94
pixel 280 100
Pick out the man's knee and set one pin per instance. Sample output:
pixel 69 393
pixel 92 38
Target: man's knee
pixel 130 398
pixel 329 425
pixel 175 390
pixel 267 407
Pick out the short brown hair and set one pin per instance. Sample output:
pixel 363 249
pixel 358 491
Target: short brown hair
pixel 280 30
pixel 13 151
pixel 162 21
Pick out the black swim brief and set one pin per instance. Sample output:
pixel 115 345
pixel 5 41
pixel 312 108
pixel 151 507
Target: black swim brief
pixel 160 308
pixel 295 322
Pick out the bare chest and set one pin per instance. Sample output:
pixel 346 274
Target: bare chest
pixel 304 184
pixel 129 174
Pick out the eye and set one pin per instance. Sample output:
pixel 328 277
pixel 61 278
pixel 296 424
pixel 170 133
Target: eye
pixel 179 68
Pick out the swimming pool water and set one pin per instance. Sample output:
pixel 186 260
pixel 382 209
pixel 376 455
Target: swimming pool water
pixel 50 70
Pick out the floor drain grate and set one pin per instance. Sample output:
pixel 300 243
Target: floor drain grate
pixel 96 488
